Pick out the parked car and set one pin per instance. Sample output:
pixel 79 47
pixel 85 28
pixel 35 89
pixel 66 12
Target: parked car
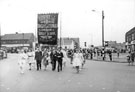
pixel 3 54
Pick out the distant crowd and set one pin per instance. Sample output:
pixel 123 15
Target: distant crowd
pixel 58 57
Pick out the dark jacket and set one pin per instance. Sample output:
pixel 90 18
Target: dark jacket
pixel 59 55
pixel 38 55
pixel 53 56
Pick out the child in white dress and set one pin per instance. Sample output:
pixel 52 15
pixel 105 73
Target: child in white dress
pixel 77 62
pixel 22 61
pixel 31 59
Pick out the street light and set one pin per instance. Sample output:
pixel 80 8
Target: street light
pixel 102 26
pixel 0 37
pixel 60 29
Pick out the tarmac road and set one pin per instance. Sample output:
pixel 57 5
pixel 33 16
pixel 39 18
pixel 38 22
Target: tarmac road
pixel 97 76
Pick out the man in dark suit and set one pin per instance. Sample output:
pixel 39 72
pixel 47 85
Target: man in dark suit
pixel 110 54
pixel 53 56
pixel 59 57
pixel 38 58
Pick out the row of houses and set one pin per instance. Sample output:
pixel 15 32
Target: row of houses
pixel 29 40
pixel 18 40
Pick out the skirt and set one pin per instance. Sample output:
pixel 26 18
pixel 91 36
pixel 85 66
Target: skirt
pixel 77 62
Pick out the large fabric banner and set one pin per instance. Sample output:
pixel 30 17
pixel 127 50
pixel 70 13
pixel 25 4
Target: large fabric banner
pixel 48 28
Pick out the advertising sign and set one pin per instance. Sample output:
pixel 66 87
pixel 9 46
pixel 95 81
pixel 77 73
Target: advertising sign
pixel 47 28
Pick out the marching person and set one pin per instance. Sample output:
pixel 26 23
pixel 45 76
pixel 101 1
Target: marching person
pixel 81 58
pixel 38 58
pixel 65 57
pixel 70 53
pixel 53 56
pixel 30 58
pixel 45 58
pixel 22 61
pixel 59 58
pixel 77 63
pixel 110 54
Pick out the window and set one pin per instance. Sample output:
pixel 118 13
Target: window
pixel 132 37
pixel 127 39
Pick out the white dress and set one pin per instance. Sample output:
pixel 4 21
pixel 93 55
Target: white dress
pixel 22 61
pixel 77 60
pixel 30 57
pixel 81 57
pixel 23 58
pixel 65 58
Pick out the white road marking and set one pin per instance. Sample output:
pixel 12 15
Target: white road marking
pixel 103 88
pixel 79 83
pixel 69 80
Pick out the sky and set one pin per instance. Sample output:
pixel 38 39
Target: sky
pixel 77 18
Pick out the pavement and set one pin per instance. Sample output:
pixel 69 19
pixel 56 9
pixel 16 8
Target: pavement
pixel 121 59
pixel 94 77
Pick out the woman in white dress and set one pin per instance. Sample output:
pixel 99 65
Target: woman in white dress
pixel 81 58
pixel 30 58
pixel 77 62
pixel 45 59
pixel 22 61
pixel 65 58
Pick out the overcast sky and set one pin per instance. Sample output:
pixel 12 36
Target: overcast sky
pixel 77 17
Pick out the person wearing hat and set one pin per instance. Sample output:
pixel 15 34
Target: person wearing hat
pixel 38 58
pixel 53 56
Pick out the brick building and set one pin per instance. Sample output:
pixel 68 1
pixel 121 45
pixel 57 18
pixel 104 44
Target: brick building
pixel 69 43
pixel 130 39
pixel 18 40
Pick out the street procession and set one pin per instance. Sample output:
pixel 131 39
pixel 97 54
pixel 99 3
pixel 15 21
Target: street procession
pixel 67 46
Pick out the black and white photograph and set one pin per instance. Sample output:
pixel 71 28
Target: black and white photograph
pixel 67 45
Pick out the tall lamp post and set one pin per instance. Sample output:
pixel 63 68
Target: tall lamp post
pixel 0 37
pixel 102 26
pixel 60 29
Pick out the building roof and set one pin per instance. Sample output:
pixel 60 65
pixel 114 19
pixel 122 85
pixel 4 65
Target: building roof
pixel 66 41
pixel 76 40
pixel 17 36
pixel 130 31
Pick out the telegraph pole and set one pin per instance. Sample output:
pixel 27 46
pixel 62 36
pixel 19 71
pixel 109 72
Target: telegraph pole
pixel 60 28
pixel 103 28
pixel 0 36
pixel 103 16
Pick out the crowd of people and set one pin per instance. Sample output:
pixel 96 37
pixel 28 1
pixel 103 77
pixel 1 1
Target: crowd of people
pixel 56 57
